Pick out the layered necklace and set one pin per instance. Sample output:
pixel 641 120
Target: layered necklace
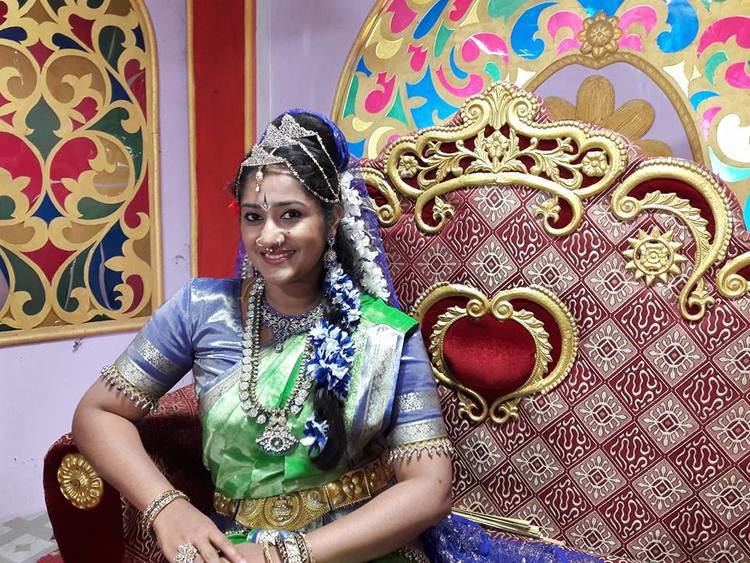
pixel 277 438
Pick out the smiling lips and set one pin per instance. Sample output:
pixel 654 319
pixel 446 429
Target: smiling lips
pixel 276 257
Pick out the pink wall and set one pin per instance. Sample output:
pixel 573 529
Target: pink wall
pixel 302 47
pixel 41 383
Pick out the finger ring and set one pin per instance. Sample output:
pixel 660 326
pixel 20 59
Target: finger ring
pixel 186 553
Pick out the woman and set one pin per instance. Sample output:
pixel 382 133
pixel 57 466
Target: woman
pixel 318 406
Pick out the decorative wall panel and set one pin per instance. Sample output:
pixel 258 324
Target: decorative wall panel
pixel 670 75
pixel 79 238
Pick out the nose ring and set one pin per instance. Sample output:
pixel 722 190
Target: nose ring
pixel 277 243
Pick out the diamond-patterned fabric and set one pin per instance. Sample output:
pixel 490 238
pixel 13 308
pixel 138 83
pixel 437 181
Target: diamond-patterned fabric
pixel 643 450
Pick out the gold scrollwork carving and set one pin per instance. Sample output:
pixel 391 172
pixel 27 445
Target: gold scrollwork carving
pixel 390 211
pixel 541 380
pixel 79 482
pixel 730 283
pixel 694 297
pixel 496 141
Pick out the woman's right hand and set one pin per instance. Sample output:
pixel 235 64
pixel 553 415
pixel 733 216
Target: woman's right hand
pixel 181 523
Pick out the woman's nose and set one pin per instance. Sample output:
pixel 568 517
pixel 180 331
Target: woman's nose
pixel 269 234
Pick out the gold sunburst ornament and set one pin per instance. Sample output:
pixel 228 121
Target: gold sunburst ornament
pixel 654 256
pixel 79 482
pixel 599 35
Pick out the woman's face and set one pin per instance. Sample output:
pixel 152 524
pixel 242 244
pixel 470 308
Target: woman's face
pixel 284 230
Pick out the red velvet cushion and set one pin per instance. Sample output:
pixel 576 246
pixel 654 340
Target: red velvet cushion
pixel 110 531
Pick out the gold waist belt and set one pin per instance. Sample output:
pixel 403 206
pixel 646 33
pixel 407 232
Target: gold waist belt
pixel 297 509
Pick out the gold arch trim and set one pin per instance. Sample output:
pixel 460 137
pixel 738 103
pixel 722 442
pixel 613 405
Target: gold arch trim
pixel 552 157
pixel 500 306
pixel 79 483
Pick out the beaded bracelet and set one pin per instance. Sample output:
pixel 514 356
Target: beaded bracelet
pixel 289 551
pixel 304 547
pixel 157 505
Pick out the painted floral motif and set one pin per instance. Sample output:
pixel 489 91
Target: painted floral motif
pixel 595 103
pixel 453 50
pixel 599 35
pixel 78 245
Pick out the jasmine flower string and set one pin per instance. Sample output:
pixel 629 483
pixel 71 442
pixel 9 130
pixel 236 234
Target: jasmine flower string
pixel 333 349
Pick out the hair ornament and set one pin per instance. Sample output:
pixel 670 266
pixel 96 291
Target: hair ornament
pixel 288 134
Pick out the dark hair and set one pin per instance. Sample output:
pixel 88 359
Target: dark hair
pixel 326 405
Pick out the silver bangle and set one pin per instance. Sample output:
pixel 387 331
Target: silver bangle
pixel 157 505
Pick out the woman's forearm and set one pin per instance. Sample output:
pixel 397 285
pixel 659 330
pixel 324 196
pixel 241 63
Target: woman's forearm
pixel 113 446
pixel 387 522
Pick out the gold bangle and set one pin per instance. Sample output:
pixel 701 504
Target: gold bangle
pixel 157 505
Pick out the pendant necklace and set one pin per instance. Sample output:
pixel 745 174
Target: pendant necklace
pixel 277 438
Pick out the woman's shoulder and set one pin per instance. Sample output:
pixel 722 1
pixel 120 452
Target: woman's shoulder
pixel 220 285
pixel 205 290
pixel 377 311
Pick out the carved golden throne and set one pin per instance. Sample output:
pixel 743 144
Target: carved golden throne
pixel 586 316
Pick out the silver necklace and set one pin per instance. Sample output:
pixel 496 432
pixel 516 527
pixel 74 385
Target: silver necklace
pixel 277 438
pixel 283 326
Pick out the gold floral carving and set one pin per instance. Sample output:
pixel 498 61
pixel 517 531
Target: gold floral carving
pixel 496 141
pixel 599 35
pixel 656 74
pixel 79 482
pixel 595 103
pixel 729 281
pixel 694 297
pixel 654 256
pixel 542 378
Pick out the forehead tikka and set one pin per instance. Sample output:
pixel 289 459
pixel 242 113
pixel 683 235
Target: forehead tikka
pixel 289 133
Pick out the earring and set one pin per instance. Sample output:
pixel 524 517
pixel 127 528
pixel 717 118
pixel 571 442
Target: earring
pixel 329 258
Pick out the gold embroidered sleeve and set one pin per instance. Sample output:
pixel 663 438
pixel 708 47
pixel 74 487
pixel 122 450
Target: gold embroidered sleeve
pixel 115 379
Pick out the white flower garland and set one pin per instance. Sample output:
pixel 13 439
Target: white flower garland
pixel 371 276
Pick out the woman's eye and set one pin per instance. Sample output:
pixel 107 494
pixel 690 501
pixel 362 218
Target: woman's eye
pixel 291 214
pixel 252 217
